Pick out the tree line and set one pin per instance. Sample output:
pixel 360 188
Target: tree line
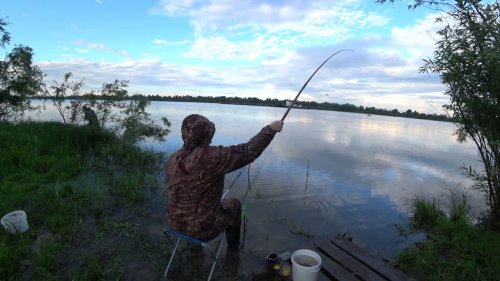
pixel 252 101
pixel 346 107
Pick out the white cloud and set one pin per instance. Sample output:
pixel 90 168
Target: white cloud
pixel 100 47
pixel 97 46
pixel 222 48
pixel 169 43
pixel 173 7
pixel 417 40
pixel 264 28
pixel 268 49
pixel 361 77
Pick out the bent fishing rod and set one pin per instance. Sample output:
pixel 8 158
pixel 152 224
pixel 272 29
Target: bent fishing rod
pixel 288 110
pixel 244 210
pixel 307 82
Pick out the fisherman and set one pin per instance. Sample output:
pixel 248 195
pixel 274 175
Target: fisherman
pixel 90 116
pixel 195 176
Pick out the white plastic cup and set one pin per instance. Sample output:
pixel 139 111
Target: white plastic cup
pixel 15 222
pixel 305 265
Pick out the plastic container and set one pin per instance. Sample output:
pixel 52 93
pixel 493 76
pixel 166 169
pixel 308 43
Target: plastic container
pixel 285 256
pixel 272 258
pixel 15 222
pixel 305 265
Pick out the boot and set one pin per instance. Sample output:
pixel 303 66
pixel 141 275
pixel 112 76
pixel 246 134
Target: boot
pixel 233 236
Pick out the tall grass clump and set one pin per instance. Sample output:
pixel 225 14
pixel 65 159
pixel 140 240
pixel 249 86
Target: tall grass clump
pixel 454 248
pixel 425 213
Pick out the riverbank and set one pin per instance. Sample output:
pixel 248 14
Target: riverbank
pixel 95 206
pixel 454 249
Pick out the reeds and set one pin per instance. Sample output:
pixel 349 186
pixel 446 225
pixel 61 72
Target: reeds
pixel 307 175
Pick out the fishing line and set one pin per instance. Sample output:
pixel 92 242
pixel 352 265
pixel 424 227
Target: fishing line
pixel 234 181
pixel 244 215
pixel 250 184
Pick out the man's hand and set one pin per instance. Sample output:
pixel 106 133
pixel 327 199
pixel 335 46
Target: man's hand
pixel 276 125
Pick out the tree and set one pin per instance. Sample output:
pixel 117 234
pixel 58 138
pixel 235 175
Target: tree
pixel 19 78
pixel 125 118
pixel 467 57
pixel 59 91
pixel 110 109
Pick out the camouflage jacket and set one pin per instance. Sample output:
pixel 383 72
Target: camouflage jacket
pixel 195 174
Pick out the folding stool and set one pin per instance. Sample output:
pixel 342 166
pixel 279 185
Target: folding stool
pixel 214 251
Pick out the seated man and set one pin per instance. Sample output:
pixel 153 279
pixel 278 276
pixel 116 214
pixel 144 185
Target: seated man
pixel 90 116
pixel 195 176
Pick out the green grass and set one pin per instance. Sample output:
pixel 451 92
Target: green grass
pixel 68 179
pixel 425 214
pixel 301 232
pixel 454 249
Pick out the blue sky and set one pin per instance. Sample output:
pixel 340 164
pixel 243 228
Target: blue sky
pixel 248 48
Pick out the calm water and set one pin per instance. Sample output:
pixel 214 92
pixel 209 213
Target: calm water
pixel 361 173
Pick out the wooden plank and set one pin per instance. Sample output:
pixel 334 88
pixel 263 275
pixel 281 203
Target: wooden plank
pixel 263 274
pixel 334 271
pixel 347 261
pixel 323 277
pixel 374 263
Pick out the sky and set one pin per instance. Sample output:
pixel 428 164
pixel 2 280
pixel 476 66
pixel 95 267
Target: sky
pixel 244 48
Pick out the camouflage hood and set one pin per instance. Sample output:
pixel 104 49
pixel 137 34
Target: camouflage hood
pixel 197 131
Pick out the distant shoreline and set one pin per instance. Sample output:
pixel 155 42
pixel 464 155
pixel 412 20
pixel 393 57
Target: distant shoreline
pixel 281 103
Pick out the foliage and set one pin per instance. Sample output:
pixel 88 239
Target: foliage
pixel 34 160
pixel 467 57
pixel 425 214
pixel 125 118
pixel 460 211
pixel 4 34
pixel 301 232
pixel 58 93
pixel 19 78
pixel 454 249
pixel 61 175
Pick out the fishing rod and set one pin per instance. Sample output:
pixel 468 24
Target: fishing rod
pixel 307 82
pixel 290 107
pixel 244 210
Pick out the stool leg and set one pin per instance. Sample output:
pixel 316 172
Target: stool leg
pixel 216 256
pixel 172 257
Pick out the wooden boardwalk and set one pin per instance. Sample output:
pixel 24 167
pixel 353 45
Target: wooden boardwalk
pixel 344 261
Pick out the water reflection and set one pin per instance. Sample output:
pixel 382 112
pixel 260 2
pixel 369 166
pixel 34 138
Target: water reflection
pixel 363 172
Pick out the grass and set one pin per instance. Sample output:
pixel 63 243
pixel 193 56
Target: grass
pixel 454 249
pixel 301 232
pixel 426 213
pixel 81 188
